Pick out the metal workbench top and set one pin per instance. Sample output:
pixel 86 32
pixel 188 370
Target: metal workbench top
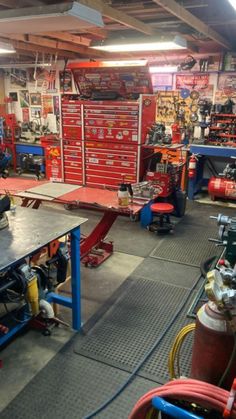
pixel 29 230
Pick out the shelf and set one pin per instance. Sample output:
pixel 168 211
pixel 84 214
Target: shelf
pixel 230 115
pixel 216 128
pixel 227 135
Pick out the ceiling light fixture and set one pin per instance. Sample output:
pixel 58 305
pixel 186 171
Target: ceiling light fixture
pixel 54 17
pixel 233 3
pixel 6 48
pixel 140 45
pixel 163 69
pixel 102 64
pixel 25 65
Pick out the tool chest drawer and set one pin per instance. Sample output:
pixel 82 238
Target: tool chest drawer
pixel 110 134
pixel 72 144
pixel 108 181
pixel 71 132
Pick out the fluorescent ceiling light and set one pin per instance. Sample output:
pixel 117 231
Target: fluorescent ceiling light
pixel 125 63
pixel 6 48
pixel 56 17
pixel 25 65
pixel 138 46
pixel 163 69
pixel 233 3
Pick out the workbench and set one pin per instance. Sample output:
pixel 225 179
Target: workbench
pixel 35 149
pixel 203 152
pixel 33 193
pixel 27 233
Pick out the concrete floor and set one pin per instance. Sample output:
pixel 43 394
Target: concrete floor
pixel 24 357
pixel 31 351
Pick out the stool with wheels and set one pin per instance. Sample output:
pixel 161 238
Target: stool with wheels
pixel 163 225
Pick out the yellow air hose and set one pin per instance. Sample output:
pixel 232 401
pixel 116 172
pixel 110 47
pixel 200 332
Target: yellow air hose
pixel 174 356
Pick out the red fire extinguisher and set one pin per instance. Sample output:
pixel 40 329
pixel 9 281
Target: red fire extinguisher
pixel 192 167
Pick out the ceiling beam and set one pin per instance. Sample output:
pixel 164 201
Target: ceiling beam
pixel 98 33
pixel 56 45
pixel 18 45
pixel 15 4
pixel 181 13
pixel 118 16
pixel 68 37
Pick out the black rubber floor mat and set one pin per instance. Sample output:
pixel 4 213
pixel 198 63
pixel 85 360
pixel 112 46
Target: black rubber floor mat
pixel 168 272
pixel 189 245
pixel 70 386
pixel 199 299
pixel 128 329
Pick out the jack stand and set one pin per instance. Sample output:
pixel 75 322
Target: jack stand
pixel 46 325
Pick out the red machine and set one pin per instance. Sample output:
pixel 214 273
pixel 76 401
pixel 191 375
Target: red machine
pixel 224 187
pixel 167 175
pixel 221 188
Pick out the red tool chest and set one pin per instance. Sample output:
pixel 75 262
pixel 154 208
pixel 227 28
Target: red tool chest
pixel 102 142
pixel 71 110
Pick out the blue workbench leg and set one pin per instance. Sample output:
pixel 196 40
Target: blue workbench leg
pixel 194 185
pixel 146 215
pixel 75 279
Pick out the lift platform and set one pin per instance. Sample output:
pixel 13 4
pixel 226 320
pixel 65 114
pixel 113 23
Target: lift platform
pixel 94 248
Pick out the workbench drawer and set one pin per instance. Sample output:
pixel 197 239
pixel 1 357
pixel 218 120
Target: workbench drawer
pixel 116 156
pixel 72 107
pixel 75 160
pixel 72 144
pixel 73 178
pixel 112 107
pixel 110 172
pixel 116 165
pixel 73 152
pixel 99 181
pixel 108 146
pixel 111 134
pixel 109 123
pixel 73 169
pixel 74 122
pixel 71 132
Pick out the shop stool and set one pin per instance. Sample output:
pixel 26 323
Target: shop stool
pixel 163 225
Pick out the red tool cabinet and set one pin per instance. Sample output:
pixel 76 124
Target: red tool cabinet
pixel 102 139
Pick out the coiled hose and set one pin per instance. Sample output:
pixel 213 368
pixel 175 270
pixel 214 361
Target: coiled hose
pixel 206 396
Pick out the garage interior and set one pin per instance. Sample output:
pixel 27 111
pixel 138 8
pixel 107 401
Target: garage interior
pixel 117 209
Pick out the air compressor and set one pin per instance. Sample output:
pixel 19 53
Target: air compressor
pixel 224 186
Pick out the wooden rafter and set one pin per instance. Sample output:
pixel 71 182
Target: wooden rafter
pixel 33 48
pixel 119 16
pixel 16 4
pixel 68 37
pixel 56 45
pixel 181 13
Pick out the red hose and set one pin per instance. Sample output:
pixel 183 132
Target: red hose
pixel 203 394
